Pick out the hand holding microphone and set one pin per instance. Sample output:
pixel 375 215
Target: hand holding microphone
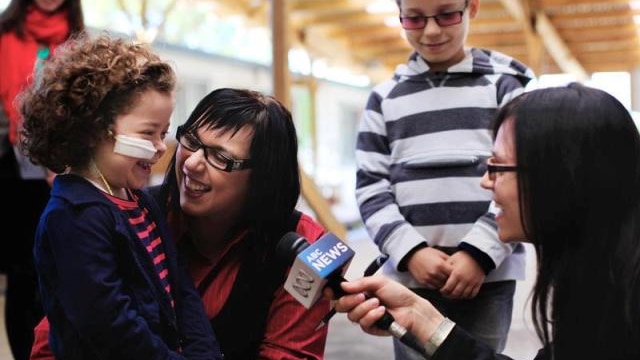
pixel 370 270
pixel 426 324
pixel 321 264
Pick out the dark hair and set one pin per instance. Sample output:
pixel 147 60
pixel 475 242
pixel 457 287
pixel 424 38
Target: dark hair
pixel 578 153
pixel 12 18
pixel 79 94
pixel 274 187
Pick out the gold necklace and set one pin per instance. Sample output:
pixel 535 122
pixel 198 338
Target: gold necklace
pixel 104 181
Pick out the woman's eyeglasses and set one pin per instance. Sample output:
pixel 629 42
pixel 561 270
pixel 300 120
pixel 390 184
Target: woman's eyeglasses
pixel 493 168
pixel 444 19
pixel 214 157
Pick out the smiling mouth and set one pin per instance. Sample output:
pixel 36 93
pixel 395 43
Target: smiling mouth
pixel 193 185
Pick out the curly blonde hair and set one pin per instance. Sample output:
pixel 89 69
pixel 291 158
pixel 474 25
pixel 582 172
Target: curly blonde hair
pixel 80 92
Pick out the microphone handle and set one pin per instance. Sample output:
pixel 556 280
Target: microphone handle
pixel 375 265
pixel 386 322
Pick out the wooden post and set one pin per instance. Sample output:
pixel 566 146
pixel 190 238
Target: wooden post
pixel 282 91
pixel 280 39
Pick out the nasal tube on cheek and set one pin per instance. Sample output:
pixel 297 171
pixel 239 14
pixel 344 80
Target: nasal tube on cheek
pixel 134 147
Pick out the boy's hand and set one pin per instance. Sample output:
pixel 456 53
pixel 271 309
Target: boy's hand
pixel 430 267
pixel 465 279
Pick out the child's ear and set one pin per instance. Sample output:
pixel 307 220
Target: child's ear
pixel 474 8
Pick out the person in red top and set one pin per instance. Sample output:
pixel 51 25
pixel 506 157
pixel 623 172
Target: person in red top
pixel 30 30
pixel 230 194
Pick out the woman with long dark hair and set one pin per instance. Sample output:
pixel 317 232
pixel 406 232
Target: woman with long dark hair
pixel 231 191
pixel 565 174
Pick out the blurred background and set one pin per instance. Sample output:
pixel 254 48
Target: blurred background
pixel 321 58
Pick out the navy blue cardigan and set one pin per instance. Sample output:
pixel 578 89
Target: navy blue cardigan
pixel 100 290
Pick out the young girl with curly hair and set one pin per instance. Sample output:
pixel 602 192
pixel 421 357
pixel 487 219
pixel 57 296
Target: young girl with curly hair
pixel 111 284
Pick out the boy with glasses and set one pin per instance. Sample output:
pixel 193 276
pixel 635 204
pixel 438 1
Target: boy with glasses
pixel 422 147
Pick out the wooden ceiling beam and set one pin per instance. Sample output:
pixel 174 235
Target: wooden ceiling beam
pixel 614 17
pixel 486 40
pixel 522 12
pixel 374 40
pixel 236 6
pixel 516 9
pixel 557 48
pixel 356 29
pixel 375 33
pixel 547 35
pixel 505 22
pixel 348 16
pixel 605 46
pixel 613 56
pixel 490 7
pixel 592 21
pixel 613 66
pixel 597 9
pixel 574 2
pixel 603 33
pixel 318 6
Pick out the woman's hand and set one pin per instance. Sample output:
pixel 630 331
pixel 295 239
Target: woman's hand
pixel 416 314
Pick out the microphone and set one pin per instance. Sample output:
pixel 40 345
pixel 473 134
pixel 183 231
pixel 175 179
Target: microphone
pixel 322 264
pixel 376 264
pixel 314 265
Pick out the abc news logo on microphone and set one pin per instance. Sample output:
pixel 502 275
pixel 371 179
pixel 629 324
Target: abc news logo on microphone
pixel 313 266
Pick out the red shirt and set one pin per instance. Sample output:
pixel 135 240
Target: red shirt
pixel 290 331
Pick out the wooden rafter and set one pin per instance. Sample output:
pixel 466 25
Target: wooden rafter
pixel 548 35
pixel 558 49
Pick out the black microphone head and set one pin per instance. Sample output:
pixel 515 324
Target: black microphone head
pixel 289 246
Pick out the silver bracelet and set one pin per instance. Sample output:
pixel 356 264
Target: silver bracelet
pixel 438 337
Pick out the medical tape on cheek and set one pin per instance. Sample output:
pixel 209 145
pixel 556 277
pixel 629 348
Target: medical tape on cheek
pixel 134 147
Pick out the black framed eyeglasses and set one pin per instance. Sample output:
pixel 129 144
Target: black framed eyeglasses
pixel 492 169
pixel 214 157
pixel 419 22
